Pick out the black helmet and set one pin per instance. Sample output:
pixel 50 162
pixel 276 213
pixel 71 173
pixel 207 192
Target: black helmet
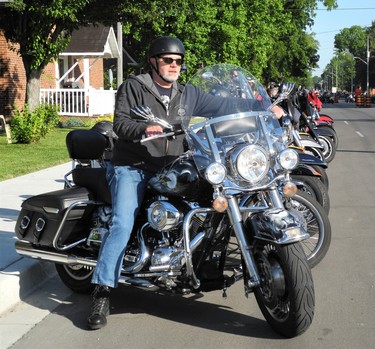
pixel 166 44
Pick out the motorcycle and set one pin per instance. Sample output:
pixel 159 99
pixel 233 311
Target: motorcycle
pixel 192 214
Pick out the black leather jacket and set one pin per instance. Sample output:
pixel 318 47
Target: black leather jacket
pixel 152 155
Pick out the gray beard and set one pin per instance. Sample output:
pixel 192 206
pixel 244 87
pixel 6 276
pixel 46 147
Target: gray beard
pixel 169 79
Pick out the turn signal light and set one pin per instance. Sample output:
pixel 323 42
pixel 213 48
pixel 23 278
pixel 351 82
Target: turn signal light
pixel 289 189
pixel 220 204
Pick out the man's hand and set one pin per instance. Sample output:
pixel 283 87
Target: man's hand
pixel 278 111
pixel 153 130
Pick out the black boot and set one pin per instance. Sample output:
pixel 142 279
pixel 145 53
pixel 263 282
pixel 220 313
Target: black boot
pixel 100 308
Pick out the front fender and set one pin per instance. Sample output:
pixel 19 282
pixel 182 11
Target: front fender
pixel 278 226
pixel 311 143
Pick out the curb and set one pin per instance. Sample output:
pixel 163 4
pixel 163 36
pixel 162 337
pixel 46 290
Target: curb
pixel 21 276
pixel 21 279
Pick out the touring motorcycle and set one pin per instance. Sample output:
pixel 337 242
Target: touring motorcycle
pixel 195 232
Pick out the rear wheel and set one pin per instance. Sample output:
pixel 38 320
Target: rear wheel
pixel 286 295
pixel 77 277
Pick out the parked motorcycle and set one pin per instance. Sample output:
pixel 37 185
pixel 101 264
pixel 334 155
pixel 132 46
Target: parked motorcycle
pixel 182 238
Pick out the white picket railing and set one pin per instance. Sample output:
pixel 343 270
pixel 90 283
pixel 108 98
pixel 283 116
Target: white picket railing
pixel 80 102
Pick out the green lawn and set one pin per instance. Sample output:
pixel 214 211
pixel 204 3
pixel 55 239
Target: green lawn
pixel 20 159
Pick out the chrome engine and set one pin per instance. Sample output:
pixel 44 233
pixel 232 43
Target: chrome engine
pixel 155 247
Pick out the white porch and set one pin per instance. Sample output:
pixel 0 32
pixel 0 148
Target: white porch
pixel 73 93
pixel 80 102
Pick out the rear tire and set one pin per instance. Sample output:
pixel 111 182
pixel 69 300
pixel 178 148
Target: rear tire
pixel 76 277
pixel 286 295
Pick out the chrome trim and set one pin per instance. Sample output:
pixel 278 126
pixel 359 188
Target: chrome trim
pixel 53 210
pixel 187 248
pixel 55 242
pixel 25 224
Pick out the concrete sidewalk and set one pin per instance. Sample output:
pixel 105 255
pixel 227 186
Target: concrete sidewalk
pixel 19 276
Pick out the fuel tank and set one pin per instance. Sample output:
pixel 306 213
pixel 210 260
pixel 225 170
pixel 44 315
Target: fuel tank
pixel 182 179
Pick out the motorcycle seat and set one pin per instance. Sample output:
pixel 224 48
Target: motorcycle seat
pixel 94 179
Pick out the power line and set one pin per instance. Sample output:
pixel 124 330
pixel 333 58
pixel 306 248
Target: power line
pixel 346 9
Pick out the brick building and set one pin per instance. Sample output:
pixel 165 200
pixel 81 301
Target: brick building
pixel 81 63
pixel 12 79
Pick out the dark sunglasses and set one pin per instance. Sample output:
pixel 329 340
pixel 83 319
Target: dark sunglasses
pixel 169 60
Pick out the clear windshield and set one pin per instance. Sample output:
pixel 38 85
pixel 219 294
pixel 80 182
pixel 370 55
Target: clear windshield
pixel 222 89
pixel 224 106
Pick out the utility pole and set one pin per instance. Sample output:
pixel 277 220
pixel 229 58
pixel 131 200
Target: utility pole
pixel 368 65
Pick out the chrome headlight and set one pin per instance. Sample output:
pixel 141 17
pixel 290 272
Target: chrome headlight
pixel 163 216
pixel 215 173
pixel 288 159
pixel 251 162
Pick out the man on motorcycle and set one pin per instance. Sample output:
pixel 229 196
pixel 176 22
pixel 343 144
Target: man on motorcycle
pixel 134 162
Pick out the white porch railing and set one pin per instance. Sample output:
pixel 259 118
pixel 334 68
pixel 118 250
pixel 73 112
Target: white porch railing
pixel 80 102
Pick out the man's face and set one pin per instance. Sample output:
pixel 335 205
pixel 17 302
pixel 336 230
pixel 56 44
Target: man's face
pixel 169 66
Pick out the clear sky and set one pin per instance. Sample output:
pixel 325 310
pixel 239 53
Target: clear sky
pixel 329 23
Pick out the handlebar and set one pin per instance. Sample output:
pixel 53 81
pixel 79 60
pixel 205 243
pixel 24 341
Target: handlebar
pixel 163 135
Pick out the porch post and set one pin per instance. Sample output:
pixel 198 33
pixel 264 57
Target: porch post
pixel 120 58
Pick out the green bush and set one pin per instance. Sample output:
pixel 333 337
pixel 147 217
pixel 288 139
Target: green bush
pixel 72 122
pixel 30 126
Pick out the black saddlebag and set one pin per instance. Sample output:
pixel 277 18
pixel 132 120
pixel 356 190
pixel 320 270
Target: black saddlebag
pixel 42 215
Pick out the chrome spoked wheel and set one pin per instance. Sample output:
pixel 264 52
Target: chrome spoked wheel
pixel 317 225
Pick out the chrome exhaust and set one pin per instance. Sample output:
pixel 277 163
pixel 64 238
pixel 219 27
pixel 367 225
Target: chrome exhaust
pixel 25 248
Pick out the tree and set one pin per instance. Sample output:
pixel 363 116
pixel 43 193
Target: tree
pixel 351 46
pixel 42 29
pixel 267 37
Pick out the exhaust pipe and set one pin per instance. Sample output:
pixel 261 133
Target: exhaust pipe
pixel 25 248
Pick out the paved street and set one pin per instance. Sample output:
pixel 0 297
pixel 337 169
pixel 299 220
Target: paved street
pixel 53 317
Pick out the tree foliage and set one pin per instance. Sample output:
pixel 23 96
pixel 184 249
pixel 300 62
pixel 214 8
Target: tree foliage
pixel 350 60
pixel 267 37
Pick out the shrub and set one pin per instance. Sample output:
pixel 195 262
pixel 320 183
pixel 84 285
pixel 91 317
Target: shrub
pixel 72 122
pixel 29 126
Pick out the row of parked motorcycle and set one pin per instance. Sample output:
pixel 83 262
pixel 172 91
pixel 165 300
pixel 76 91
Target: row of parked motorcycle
pixel 313 135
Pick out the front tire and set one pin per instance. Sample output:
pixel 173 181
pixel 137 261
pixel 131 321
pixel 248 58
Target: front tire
pixel 317 226
pixel 315 187
pixel 286 295
pixel 329 147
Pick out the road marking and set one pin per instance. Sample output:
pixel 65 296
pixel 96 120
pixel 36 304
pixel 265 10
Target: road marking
pixel 359 134
pixel 345 122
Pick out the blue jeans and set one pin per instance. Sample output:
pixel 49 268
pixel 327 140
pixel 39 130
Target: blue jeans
pixel 128 186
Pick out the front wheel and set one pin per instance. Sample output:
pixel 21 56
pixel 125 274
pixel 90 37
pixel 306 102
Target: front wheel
pixel 317 225
pixel 314 187
pixel 329 147
pixel 286 295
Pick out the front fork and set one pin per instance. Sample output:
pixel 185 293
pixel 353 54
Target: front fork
pixel 235 217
